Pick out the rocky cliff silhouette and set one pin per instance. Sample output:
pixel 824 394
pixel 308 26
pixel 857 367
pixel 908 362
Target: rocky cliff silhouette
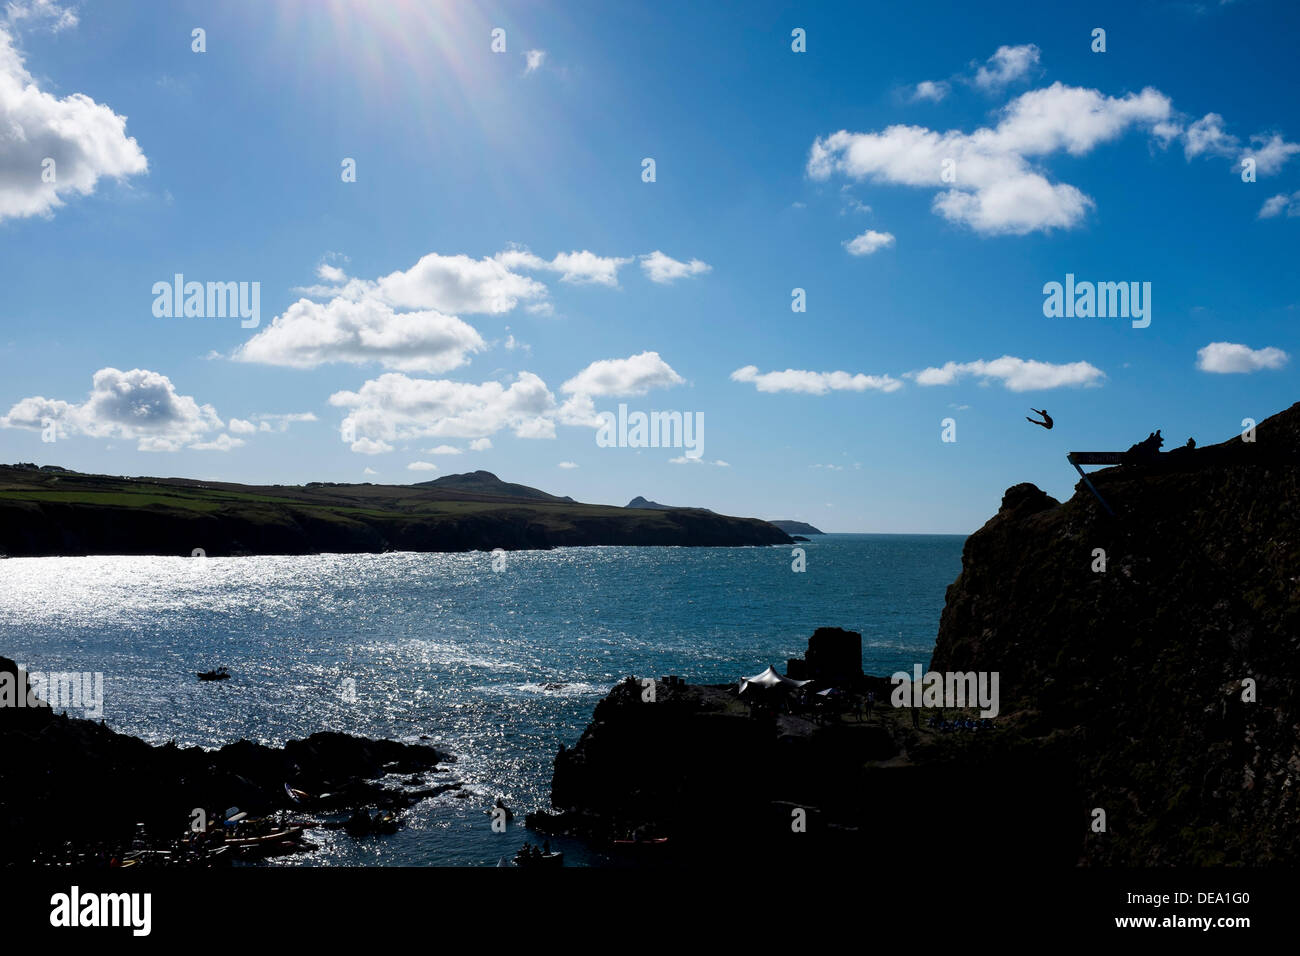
pixel 1148 663
pixel 1138 671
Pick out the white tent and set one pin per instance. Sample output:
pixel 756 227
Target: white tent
pixel 770 679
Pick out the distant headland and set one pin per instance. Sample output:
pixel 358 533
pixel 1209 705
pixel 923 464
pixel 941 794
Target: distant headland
pixel 46 511
pixel 796 527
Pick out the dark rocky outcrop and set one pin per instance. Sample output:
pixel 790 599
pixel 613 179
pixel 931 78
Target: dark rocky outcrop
pixel 1164 690
pixel 834 658
pixel 64 779
pixel 1136 672
pixel 722 783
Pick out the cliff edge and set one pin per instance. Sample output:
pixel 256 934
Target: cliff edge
pixel 1149 714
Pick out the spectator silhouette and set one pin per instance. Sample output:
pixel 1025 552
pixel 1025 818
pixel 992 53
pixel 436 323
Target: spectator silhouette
pixel 1144 450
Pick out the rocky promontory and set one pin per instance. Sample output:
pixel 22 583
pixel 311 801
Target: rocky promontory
pixel 1149 664
pixel 796 527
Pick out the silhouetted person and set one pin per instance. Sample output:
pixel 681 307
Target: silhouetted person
pixel 1145 450
pixel 1047 419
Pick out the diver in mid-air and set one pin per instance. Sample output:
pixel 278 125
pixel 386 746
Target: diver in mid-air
pixel 1047 419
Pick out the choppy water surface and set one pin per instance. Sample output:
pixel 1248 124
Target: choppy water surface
pixel 440 644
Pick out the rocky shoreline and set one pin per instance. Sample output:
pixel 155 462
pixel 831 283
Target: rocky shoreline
pixel 75 782
pixel 697 775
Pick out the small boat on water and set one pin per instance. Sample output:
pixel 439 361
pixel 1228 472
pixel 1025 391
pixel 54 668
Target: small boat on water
pixel 219 674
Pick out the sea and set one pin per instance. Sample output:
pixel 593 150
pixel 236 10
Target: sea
pixel 497 663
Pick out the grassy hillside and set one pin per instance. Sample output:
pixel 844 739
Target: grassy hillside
pixel 49 512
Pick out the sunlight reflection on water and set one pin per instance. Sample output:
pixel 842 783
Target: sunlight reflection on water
pixel 497 668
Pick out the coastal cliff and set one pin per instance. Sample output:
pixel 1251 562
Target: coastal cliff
pixel 1149 668
pixel 1143 669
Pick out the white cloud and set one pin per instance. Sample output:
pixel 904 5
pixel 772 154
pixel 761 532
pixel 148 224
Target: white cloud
pixel 331 273
pixel 409 320
pixel 220 443
pixel 282 421
pixel 684 460
pixel 457 284
pixel 369 446
pixel 579 268
pixel 931 90
pixel 1016 374
pixel 309 334
pixel 421 466
pixel 852 203
pixel 1281 203
pixel 998 189
pixel 567 464
pixel 138 405
pixel 57 16
pixel 1005 66
pixel 406 320
pixel 395 407
pixel 869 242
pixel 634 375
pixel 1229 357
pixel 533 60
pixel 86 140
pixel 1207 135
pixel 814 383
pixel 369 471
pixel 1272 153
pixel 444 450
pixel 238 426
pixel 664 269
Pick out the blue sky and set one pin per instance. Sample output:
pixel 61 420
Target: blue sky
pixel 491 277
